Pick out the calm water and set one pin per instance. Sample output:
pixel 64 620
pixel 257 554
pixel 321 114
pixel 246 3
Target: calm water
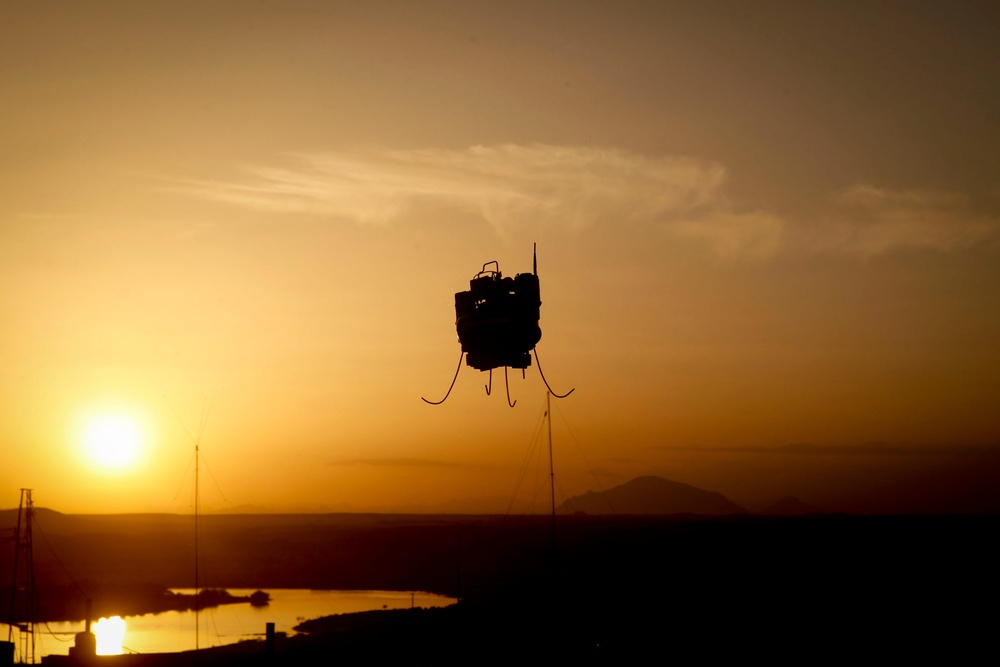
pixel 175 631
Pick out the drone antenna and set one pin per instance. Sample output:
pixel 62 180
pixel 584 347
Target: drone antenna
pixel 534 258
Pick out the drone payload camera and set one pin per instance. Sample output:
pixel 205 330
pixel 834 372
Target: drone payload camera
pixel 497 322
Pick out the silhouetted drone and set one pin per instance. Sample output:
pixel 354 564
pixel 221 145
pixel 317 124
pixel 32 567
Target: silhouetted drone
pixel 497 322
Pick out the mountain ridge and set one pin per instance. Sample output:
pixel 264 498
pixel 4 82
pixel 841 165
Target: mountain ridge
pixel 651 495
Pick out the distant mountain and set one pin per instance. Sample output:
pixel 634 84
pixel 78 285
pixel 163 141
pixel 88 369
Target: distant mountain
pixel 651 495
pixel 43 516
pixel 791 506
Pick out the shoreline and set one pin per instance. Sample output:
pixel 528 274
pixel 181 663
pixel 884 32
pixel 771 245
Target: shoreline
pixel 65 604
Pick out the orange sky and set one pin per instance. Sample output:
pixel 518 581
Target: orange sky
pixel 757 226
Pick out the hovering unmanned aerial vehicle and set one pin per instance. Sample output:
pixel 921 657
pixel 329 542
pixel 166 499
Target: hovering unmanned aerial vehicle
pixel 497 322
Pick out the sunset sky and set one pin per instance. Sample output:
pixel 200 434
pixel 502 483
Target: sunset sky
pixel 768 246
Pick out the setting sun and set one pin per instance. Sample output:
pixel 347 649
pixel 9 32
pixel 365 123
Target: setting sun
pixel 110 633
pixel 112 441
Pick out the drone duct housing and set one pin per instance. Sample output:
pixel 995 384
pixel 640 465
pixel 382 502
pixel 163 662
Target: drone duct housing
pixel 497 320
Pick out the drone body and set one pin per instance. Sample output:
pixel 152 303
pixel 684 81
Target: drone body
pixel 497 319
pixel 497 323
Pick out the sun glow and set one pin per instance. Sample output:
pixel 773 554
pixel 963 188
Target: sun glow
pixel 110 633
pixel 113 442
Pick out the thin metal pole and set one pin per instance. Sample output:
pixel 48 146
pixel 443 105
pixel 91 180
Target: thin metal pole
pixel 197 606
pixel 30 561
pixel 23 559
pixel 552 470
pixel 13 584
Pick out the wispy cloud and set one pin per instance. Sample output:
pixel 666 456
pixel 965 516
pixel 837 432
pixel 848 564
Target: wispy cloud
pixel 396 463
pixel 880 449
pixel 870 221
pixel 756 235
pixel 513 185
pixel 508 185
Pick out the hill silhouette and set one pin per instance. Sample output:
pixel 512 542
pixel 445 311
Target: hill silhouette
pixel 650 495
pixel 790 506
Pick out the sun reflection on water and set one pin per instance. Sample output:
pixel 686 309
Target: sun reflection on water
pixel 110 633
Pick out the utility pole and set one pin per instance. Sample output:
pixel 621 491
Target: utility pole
pixel 22 595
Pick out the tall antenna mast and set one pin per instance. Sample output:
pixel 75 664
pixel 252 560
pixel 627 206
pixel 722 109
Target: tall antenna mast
pixel 24 582
pixel 197 605
pixel 206 407
pixel 552 470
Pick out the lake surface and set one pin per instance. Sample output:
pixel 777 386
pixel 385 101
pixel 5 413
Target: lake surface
pixel 175 630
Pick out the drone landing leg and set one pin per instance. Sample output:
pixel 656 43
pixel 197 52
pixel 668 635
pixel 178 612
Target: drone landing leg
pixel 537 361
pixel 460 355
pixel 489 387
pixel 506 384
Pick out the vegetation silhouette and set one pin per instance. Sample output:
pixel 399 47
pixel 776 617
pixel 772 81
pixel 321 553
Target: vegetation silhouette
pixel 684 585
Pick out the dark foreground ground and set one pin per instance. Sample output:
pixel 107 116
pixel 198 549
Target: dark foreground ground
pixel 802 589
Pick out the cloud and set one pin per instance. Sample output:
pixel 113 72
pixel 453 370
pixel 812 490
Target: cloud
pixel 395 462
pixel 870 221
pixel 877 449
pixel 512 185
pixel 757 235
